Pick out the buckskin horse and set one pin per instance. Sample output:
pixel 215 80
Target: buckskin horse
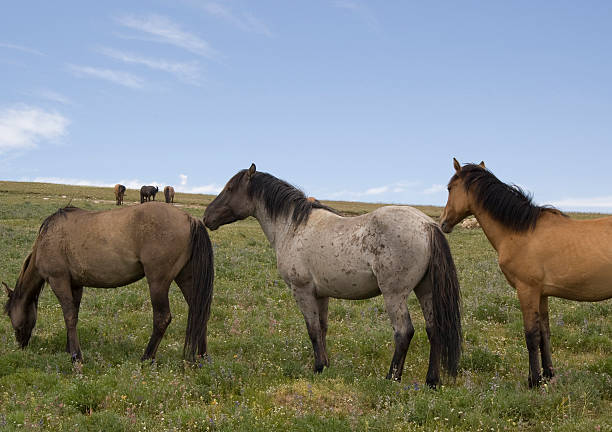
pixel 391 251
pixel 146 192
pixel 112 248
pixel 541 251
pixel 169 194
pixel 119 193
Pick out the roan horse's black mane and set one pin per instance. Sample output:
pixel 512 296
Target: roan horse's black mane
pixel 508 204
pixel 279 198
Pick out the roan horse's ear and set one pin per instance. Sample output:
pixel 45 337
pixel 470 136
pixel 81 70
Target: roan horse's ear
pixel 457 165
pixel 7 289
pixel 482 164
pixel 252 169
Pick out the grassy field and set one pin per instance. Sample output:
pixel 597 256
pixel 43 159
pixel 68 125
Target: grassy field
pixel 259 375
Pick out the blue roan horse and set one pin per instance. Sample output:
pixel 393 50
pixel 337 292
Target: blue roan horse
pixel 391 251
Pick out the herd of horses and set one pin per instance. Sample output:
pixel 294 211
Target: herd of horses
pixel 146 193
pixel 391 251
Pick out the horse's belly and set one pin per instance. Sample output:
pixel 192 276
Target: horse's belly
pixel 108 275
pixel 350 285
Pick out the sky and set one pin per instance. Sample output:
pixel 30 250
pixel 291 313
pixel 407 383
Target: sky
pixel 346 99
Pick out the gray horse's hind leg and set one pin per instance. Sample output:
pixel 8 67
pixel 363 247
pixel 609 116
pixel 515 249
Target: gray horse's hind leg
pixel 423 292
pixel 161 315
pixel 403 332
pixel 63 290
pixel 323 303
pixel 308 304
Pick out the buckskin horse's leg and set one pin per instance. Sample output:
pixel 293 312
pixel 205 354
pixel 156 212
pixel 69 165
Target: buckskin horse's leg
pixel 424 294
pixel 530 305
pixel 307 302
pixel 62 289
pixel 545 351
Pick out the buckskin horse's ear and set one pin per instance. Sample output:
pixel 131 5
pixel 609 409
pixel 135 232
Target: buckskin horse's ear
pixel 252 169
pixel 457 165
pixel 482 165
pixel 7 289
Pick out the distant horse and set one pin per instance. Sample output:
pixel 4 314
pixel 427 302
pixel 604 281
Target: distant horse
pixel 146 192
pixel 112 248
pixel 540 250
pixel 169 194
pixel 119 192
pixel 391 251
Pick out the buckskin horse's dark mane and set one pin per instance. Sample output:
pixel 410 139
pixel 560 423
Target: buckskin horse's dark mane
pixel 279 198
pixel 508 204
pixel 60 212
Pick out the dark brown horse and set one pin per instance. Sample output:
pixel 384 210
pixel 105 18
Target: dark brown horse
pixel 169 194
pixel 119 192
pixel 112 248
pixel 146 192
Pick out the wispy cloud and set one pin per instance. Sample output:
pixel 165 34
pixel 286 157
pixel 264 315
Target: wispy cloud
pixel 601 202
pixel 54 96
pixel 245 21
pixel 117 77
pixel 163 30
pixel 435 188
pixel 210 189
pixel 361 10
pixel 23 127
pixel 188 72
pixel 376 190
pixel 22 49
pixel 183 178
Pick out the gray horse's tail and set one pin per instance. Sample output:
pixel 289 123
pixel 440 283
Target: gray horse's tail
pixel 200 298
pixel 446 300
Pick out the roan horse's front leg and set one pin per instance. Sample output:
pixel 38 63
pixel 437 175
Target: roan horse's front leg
pixel 308 304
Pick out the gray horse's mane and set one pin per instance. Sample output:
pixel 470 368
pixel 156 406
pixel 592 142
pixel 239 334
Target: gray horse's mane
pixel 280 198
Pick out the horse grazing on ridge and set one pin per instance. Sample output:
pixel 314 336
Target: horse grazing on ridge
pixel 119 192
pixel 169 194
pixel 112 248
pixel 391 251
pixel 540 250
pixel 146 192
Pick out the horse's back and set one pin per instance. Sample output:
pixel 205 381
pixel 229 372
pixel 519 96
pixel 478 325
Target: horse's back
pixel 112 247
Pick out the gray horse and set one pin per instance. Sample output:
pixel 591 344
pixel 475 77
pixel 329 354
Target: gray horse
pixel 391 251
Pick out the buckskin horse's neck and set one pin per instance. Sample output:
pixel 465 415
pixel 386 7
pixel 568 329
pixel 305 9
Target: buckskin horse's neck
pixel 276 230
pixel 494 230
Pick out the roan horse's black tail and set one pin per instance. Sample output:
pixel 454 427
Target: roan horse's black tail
pixel 202 270
pixel 446 300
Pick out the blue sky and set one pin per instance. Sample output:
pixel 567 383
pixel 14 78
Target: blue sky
pixel 347 99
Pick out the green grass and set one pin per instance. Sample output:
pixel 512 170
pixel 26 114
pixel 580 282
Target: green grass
pixel 259 376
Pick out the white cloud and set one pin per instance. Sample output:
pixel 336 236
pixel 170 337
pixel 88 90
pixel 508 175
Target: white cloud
pixel 183 179
pixel 23 127
pixel 163 30
pixel 244 21
pixel 584 203
pixel 54 96
pixel 435 188
pixel 118 77
pixel 21 48
pixel 187 72
pixel 361 10
pixel 210 189
pixel 376 190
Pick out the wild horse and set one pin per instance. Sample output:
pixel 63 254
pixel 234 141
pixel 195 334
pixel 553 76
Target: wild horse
pixel 391 251
pixel 112 248
pixel 169 194
pixel 146 192
pixel 540 250
pixel 119 193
